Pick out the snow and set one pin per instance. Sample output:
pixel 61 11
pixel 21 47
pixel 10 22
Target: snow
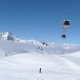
pixel 8 36
pixel 8 48
pixel 26 66
pixel 21 60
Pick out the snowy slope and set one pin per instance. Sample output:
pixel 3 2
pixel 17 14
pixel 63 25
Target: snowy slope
pixel 74 57
pixel 26 67
pixel 8 48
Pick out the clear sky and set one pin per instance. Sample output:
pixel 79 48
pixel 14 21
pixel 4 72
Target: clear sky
pixel 41 19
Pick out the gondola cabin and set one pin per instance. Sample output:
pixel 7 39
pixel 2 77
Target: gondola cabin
pixel 66 24
pixel 63 36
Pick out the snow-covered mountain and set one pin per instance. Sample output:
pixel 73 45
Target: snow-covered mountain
pixel 12 37
pixel 8 36
pixel 11 44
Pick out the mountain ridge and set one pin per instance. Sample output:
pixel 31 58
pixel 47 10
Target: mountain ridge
pixel 12 37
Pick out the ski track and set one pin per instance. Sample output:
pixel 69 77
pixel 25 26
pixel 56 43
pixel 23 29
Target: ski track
pixel 31 74
pixel 72 65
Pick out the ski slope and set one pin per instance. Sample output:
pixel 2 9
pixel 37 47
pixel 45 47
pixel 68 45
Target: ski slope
pixel 26 66
pixel 8 48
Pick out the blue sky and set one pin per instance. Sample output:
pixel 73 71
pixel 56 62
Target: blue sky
pixel 41 19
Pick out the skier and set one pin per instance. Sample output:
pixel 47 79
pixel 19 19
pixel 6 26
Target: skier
pixel 40 70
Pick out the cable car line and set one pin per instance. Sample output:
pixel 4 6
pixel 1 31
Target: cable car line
pixel 66 23
pixel 72 6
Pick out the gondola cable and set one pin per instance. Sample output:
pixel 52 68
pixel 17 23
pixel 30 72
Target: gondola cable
pixel 66 23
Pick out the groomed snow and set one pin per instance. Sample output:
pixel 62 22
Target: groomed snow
pixel 26 66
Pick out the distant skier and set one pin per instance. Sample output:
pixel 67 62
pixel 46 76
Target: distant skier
pixel 40 70
pixel 42 51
